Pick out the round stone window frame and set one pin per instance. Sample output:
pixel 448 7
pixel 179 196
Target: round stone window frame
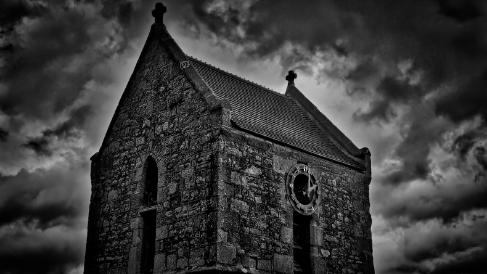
pixel 304 209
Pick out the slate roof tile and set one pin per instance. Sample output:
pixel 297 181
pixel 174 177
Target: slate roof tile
pixel 271 114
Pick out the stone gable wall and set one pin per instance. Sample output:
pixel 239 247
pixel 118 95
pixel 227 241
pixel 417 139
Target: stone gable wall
pixel 161 116
pixel 255 218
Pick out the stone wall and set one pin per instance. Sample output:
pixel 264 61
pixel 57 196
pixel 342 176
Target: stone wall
pixel 163 116
pixel 255 231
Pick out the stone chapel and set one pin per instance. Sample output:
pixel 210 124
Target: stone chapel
pixel 202 171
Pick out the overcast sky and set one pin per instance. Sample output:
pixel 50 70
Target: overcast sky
pixel 406 78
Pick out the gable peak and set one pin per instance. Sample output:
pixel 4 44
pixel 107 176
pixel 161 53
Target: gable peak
pixel 291 76
pixel 158 12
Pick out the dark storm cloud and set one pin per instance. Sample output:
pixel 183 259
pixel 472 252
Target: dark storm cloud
pixel 39 145
pixel 65 130
pixel 42 219
pixel 436 247
pixel 446 41
pixel 464 143
pixel 390 92
pixel 77 117
pixel 45 196
pixel 56 62
pixel 122 10
pixel 442 202
pixel 470 142
pixel 272 23
pixel 18 10
pixel 3 135
pixel 28 249
pixel 53 52
pixel 461 10
pixel 467 101
pixel 47 60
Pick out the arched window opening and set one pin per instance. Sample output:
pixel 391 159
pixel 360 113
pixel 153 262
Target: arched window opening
pixel 150 184
pixel 148 242
pixel 301 243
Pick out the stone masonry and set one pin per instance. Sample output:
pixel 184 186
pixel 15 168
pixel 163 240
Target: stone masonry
pixel 222 205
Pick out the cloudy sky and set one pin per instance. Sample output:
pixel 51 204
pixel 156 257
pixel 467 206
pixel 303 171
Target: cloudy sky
pixel 408 79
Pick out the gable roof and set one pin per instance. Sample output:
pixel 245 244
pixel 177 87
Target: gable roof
pixel 290 120
pixel 276 116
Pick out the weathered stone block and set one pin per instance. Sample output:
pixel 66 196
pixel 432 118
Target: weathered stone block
pixel 182 263
pixel 286 234
pixel 196 258
pixel 283 263
pixel 139 141
pixel 161 232
pixel 158 129
pixel 239 205
pixel 316 235
pixel 172 187
pixel 226 253
pixel 319 265
pixel 253 170
pixel 112 195
pixel 265 265
pixel 171 261
pixel 282 165
pixel 159 262
pixel 133 263
pixel 252 263
pixel 222 236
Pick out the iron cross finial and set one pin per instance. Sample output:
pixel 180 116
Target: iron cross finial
pixel 158 12
pixel 291 76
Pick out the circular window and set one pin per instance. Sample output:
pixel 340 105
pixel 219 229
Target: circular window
pixel 303 190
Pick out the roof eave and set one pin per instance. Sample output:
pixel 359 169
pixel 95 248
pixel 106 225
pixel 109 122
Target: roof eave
pixel 360 168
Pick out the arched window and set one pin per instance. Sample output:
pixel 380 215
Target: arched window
pixel 149 198
pixel 301 243
pixel 150 182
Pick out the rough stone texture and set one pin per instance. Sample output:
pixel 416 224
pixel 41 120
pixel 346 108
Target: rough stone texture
pixel 163 116
pixel 256 217
pixel 283 263
pixel 221 202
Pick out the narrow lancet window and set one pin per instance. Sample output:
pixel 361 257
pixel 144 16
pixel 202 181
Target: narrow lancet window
pixel 301 249
pixel 150 184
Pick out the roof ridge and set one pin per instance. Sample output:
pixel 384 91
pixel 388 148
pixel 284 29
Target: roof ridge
pixel 240 78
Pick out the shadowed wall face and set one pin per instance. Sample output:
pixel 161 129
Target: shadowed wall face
pixel 153 199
